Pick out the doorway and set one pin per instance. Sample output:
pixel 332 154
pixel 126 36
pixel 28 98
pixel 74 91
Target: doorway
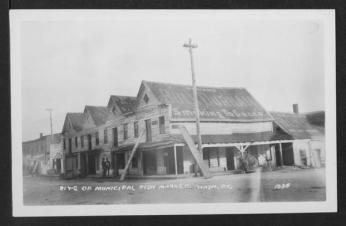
pixel 168 161
pixel 278 155
pixel 91 163
pixel 149 163
pixel 180 159
pixel 287 154
pixel 230 158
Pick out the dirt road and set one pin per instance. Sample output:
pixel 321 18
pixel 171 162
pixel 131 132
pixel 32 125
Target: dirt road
pixel 281 185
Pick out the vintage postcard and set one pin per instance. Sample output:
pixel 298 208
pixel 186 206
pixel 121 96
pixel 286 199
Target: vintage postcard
pixel 151 112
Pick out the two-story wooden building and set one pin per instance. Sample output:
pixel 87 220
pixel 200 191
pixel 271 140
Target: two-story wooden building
pixel 233 125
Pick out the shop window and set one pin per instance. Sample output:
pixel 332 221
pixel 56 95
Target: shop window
pixel 162 124
pixel 303 157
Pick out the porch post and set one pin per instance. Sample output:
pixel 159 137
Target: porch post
pixel 281 158
pixel 87 163
pixel 175 159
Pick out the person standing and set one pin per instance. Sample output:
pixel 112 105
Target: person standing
pixel 103 167
pixel 108 166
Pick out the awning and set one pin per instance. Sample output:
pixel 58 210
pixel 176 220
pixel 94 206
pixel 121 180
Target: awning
pixel 147 146
pixel 238 137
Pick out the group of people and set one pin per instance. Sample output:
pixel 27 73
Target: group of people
pixel 106 165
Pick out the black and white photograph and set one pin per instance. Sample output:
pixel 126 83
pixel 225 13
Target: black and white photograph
pixel 151 112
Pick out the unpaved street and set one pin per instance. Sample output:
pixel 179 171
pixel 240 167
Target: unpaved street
pixel 300 185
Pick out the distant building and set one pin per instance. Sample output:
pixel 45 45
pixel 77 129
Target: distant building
pixel 234 127
pixel 43 155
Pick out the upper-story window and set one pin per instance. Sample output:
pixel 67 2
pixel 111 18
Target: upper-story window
pixel 64 143
pixel 76 142
pixel 125 131
pixel 82 141
pixel 70 145
pixel 115 137
pixel 135 129
pixel 162 124
pixel 148 130
pixel 97 139
pixel 89 142
pixel 105 136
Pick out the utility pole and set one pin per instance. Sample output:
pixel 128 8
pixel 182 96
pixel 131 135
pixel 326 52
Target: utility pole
pixel 51 128
pixel 199 138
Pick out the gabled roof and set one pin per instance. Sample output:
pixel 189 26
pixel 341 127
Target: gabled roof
pixel 100 115
pixel 125 104
pixel 76 120
pixel 296 125
pixel 231 104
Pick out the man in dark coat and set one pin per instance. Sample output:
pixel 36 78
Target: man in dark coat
pixel 108 166
pixel 103 167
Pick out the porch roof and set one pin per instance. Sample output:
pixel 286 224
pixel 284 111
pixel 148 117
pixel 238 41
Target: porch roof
pixel 172 139
pixel 240 137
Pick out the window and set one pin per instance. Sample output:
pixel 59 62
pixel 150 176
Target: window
pixel 89 142
pixel 70 145
pixel 82 141
pixel 105 136
pixel 76 142
pixel 134 163
pixel 148 130
pixel 115 137
pixel 125 131
pixel 162 124
pixel 64 144
pixel 97 140
pixel 135 128
pixel 146 98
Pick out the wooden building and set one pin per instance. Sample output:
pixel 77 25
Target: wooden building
pixel 43 155
pixel 234 127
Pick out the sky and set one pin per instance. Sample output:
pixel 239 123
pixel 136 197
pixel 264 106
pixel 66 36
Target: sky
pixel 67 64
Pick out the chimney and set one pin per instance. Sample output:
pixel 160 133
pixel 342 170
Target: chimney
pixel 41 135
pixel 295 108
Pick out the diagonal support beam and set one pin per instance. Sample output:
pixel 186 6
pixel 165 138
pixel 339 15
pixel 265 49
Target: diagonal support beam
pixel 195 153
pixel 131 156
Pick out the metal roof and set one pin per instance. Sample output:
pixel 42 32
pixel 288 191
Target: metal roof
pixel 229 104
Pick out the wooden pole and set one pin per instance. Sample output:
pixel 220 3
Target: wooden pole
pixel 131 156
pixel 191 46
pixel 199 138
pixel 175 160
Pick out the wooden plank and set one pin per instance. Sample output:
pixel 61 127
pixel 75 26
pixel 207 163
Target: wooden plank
pixel 131 156
pixel 195 153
